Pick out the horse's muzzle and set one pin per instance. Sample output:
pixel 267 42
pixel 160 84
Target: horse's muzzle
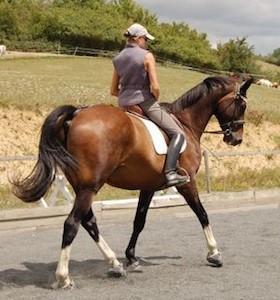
pixel 232 141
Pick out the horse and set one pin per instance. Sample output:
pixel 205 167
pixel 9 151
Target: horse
pixel 101 144
pixel 2 51
pixel 265 82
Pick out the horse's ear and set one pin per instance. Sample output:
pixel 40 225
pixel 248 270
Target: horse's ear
pixel 245 86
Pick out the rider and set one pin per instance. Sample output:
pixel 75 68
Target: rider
pixel 135 82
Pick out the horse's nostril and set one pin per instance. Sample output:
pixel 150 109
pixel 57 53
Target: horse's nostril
pixel 236 141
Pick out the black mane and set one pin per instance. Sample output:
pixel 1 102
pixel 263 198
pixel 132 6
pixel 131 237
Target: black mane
pixel 196 93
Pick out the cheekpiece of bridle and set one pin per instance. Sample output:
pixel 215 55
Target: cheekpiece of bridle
pixel 228 128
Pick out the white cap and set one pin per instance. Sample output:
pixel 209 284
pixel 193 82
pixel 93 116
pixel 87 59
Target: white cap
pixel 136 30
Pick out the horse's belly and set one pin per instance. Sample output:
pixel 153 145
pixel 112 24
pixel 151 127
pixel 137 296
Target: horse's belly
pixel 138 176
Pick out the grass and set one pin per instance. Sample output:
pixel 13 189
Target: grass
pixel 47 82
pixel 251 180
pixel 51 81
pixel 264 101
pixel 42 83
pixel 32 83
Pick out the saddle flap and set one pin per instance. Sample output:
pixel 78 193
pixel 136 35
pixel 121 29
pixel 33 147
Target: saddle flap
pixel 157 135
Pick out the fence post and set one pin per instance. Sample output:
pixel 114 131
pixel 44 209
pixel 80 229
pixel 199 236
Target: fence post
pixel 207 172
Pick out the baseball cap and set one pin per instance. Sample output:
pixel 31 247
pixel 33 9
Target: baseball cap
pixel 136 30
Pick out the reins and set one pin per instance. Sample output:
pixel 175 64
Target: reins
pixel 198 129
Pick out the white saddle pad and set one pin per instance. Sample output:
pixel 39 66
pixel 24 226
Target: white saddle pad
pixel 157 136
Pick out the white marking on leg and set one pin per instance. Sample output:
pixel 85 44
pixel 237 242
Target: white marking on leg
pixel 109 255
pixel 62 270
pixel 210 240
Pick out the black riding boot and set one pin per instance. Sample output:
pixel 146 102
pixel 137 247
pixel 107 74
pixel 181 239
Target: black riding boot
pixel 173 153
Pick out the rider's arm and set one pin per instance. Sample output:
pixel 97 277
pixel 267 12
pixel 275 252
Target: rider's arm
pixel 150 66
pixel 115 84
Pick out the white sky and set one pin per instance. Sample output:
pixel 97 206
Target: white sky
pixel 221 20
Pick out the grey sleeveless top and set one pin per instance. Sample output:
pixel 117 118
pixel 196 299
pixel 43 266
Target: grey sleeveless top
pixel 134 79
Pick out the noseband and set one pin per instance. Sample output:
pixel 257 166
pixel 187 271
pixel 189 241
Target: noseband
pixel 228 128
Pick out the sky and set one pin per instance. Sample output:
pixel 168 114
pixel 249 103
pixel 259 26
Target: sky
pixel 221 20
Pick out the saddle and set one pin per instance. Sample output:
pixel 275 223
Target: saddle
pixel 159 139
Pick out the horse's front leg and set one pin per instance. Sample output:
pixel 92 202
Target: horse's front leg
pixel 139 223
pixel 214 256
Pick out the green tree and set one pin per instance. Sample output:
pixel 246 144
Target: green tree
pixel 237 56
pixel 9 27
pixel 134 13
pixel 274 57
pixel 178 42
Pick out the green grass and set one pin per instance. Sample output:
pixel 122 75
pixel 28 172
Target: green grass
pixel 251 180
pixel 51 81
pixel 42 83
pixel 264 102
pixel 46 82
pixel 32 83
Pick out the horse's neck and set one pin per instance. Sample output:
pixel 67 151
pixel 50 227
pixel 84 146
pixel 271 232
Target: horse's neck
pixel 198 117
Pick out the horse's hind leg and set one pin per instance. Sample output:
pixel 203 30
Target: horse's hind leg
pixel 214 256
pixel 89 223
pixel 71 225
pixel 139 223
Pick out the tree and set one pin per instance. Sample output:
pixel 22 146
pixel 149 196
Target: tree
pixel 180 43
pixel 8 22
pixel 237 56
pixel 274 58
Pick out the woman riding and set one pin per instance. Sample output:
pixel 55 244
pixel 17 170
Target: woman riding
pixel 135 82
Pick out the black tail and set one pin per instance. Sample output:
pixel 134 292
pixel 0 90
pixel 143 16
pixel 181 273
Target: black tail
pixel 52 154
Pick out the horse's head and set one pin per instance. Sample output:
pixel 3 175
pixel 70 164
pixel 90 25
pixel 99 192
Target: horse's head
pixel 230 113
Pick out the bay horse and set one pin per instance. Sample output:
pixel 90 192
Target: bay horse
pixel 103 144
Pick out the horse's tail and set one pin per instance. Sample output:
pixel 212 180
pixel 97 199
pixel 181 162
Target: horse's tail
pixel 52 154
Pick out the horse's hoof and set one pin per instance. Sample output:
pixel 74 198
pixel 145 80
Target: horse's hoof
pixel 117 272
pixel 215 259
pixel 133 267
pixel 66 287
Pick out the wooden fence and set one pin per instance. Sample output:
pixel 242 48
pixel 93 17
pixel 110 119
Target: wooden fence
pixel 110 54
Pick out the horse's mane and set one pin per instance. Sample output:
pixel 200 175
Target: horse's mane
pixel 196 93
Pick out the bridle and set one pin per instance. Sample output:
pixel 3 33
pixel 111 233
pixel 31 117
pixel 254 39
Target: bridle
pixel 227 128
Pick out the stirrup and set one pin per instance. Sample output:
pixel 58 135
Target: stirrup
pixel 174 179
